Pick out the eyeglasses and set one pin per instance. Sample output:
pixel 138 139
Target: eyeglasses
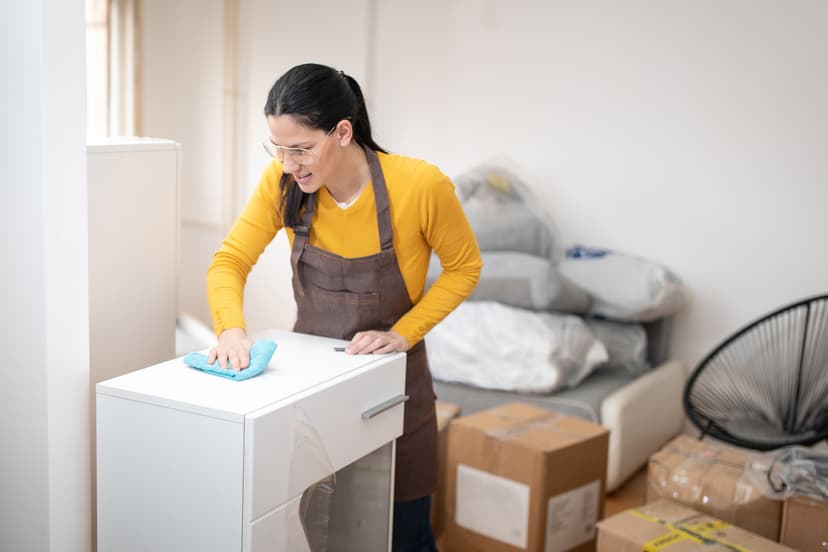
pixel 302 156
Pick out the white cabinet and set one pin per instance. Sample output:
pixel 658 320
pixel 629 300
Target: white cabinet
pixel 133 253
pixel 191 461
pixel 133 186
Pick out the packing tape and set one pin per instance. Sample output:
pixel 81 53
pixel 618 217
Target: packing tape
pixel 706 456
pixel 547 421
pixel 680 531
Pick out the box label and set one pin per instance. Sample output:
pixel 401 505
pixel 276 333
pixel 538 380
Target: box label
pixel 493 506
pixel 571 517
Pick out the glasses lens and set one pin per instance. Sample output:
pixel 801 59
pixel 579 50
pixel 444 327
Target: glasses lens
pixel 298 155
pixel 271 149
pixel 302 156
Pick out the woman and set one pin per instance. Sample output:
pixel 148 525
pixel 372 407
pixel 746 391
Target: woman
pixel 362 225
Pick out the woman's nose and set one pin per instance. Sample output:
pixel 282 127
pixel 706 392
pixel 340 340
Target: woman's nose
pixel 289 164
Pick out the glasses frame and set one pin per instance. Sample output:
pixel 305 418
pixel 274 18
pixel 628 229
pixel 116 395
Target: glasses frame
pixel 300 155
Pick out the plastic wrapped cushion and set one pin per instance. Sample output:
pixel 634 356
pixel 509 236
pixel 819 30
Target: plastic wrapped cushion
pixel 495 346
pixel 623 287
pixel 502 210
pixel 522 280
pixel 508 227
pixel 626 344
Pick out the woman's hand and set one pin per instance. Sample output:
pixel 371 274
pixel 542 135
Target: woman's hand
pixel 376 342
pixel 233 348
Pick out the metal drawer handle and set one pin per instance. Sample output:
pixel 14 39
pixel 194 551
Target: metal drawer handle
pixel 383 406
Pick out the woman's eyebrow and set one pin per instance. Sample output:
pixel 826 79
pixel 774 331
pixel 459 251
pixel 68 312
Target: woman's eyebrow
pixel 300 145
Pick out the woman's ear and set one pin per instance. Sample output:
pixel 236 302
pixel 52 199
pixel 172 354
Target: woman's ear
pixel 344 132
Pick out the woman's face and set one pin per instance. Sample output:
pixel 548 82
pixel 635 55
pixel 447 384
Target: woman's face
pixel 309 154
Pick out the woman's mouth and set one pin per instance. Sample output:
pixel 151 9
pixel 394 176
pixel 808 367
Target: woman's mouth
pixel 302 179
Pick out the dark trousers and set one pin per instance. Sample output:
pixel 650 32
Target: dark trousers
pixel 412 526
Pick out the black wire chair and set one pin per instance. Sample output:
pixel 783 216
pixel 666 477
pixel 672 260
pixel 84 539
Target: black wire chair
pixel 766 386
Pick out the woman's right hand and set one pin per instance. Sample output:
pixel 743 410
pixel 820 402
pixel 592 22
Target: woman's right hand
pixel 233 348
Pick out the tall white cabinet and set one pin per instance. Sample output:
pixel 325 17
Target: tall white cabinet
pixel 133 253
pixel 294 459
pixel 133 206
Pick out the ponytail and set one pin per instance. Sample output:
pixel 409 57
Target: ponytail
pixel 362 125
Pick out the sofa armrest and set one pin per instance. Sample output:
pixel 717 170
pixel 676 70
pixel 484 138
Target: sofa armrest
pixel 642 416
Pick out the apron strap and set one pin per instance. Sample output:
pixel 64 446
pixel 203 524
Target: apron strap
pixel 386 234
pixel 300 240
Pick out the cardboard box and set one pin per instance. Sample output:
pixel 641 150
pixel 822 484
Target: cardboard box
pixel 524 478
pixel 673 527
pixel 805 524
pixel 445 413
pixel 711 479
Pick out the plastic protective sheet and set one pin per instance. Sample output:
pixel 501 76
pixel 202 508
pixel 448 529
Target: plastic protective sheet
pixel 503 211
pixel 624 287
pixel 796 471
pixel 494 346
pixel 348 509
pixel 307 525
pixel 522 280
pixel 626 344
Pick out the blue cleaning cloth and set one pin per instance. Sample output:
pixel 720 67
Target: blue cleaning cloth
pixel 260 354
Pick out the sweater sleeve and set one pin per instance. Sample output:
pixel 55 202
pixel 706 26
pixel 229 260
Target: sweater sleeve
pixel 251 233
pixel 447 231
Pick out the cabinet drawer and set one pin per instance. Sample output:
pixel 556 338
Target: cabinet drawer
pixel 271 531
pixel 352 511
pixel 290 447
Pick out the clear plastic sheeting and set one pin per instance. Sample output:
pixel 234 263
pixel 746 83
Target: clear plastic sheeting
pixel 494 346
pixel 522 280
pixel 626 344
pixel 624 287
pixel 348 509
pixel 361 503
pixel 797 471
pixel 307 527
pixel 315 513
pixel 503 211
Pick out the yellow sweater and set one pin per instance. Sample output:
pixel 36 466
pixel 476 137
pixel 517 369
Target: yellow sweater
pixel 425 215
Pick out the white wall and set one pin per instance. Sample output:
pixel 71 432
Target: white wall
pixel 694 133
pixel 44 400
pixel 181 98
pixel 272 39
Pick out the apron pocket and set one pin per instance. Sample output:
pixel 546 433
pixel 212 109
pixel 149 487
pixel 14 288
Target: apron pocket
pixel 341 314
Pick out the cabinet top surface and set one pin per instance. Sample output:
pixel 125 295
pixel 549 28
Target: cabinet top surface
pixel 300 363
pixel 117 144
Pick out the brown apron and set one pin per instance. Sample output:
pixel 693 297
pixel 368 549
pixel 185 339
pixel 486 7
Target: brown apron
pixel 338 297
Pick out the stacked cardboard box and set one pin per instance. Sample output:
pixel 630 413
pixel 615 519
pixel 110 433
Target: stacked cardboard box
pixel 805 524
pixel 445 413
pixel 524 478
pixel 667 525
pixel 713 480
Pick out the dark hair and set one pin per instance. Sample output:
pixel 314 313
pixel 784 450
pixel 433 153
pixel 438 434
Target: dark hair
pixel 319 97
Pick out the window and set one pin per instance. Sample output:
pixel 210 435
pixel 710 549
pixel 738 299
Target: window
pixel 111 67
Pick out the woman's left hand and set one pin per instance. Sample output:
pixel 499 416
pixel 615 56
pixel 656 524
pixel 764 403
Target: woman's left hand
pixel 376 342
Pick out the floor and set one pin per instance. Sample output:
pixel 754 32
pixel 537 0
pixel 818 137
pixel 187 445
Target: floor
pixel 629 495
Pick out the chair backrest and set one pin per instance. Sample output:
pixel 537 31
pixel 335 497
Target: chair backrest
pixel 766 386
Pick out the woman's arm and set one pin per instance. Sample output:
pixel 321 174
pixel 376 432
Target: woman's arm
pixel 447 231
pixel 251 233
